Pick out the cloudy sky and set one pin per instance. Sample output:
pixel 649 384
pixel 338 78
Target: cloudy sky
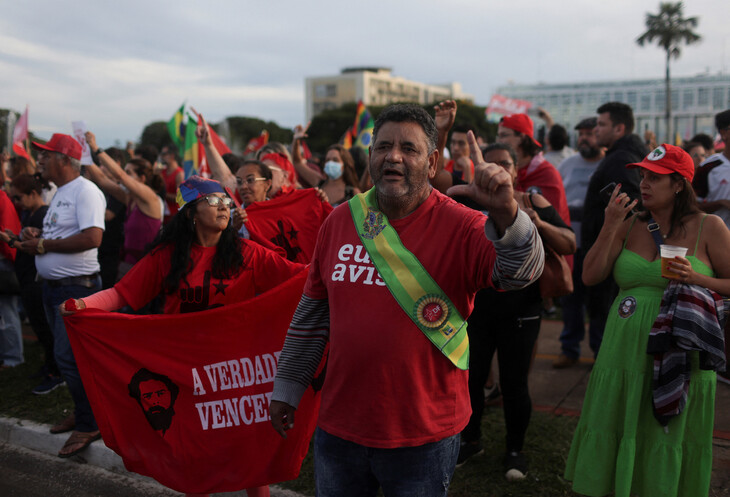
pixel 121 65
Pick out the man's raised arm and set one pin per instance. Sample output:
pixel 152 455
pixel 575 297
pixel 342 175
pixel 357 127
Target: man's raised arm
pixel 520 254
pixel 445 116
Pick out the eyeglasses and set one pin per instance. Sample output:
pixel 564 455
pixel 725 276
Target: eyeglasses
pixel 249 181
pixel 215 201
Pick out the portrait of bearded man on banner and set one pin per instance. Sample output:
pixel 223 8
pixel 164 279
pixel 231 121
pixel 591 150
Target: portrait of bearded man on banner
pixel 156 394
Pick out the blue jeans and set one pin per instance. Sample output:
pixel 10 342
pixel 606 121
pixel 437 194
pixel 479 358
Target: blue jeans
pixel 346 468
pixel 574 306
pixel 53 296
pixel 11 336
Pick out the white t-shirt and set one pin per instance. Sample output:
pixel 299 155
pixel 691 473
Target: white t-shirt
pixel 718 185
pixel 76 206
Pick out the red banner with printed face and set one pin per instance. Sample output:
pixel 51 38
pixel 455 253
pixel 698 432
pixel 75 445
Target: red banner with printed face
pixel 184 398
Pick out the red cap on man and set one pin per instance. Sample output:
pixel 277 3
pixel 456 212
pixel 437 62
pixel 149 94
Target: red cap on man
pixel 520 123
pixel 64 144
pixel 668 159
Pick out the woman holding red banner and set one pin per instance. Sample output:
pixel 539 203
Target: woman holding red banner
pixel 197 263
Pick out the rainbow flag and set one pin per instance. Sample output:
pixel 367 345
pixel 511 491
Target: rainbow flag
pixel 191 155
pixel 176 127
pixel 346 139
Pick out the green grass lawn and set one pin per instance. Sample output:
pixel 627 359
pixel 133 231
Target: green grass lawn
pixel 546 447
pixel 17 399
pixel 548 439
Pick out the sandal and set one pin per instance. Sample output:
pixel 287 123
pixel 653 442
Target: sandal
pixel 82 438
pixel 68 424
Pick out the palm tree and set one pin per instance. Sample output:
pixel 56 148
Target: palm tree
pixel 669 28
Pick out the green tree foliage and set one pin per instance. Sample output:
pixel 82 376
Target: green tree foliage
pixel 669 28
pixel 238 131
pixel 328 127
pixel 156 134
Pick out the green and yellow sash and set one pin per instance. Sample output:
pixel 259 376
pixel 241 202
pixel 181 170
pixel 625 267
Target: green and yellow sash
pixel 409 282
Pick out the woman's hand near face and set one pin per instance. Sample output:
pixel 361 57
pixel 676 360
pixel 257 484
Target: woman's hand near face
pixel 618 208
pixel 239 217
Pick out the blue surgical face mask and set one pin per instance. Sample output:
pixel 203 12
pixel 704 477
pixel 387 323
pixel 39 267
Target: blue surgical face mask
pixel 333 169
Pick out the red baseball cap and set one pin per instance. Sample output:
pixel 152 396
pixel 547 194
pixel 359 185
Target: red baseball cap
pixel 65 144
pixel 520 123
pixel 668 159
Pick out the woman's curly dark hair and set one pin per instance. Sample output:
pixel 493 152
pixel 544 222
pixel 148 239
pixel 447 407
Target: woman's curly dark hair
pixel 180 234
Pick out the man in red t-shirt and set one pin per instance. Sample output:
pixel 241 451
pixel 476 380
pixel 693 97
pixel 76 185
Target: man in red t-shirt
pixel 392 404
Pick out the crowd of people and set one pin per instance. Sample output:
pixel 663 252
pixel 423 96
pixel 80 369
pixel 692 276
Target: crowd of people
pixel 400 411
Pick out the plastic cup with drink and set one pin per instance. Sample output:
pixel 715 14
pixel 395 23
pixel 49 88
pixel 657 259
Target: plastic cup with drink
pixel 668 253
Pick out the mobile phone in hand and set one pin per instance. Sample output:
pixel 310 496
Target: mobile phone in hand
pixel 606 192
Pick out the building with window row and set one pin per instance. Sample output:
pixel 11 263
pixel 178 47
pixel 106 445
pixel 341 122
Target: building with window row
pixel 374 86
pixel 695 101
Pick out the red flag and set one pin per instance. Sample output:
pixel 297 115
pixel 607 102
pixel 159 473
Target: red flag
pixel 291 221
pixel 184 398
pixel 256 143
pixel 306 153
pixel 19 149
pixel 220 145
pixel 20 132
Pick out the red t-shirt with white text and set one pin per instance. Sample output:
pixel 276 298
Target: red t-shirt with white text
pixel 387 385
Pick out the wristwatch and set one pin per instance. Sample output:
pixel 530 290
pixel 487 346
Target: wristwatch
pixel 98 151
pixel 39 248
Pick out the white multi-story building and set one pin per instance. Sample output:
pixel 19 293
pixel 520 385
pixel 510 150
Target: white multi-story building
pixel 695 101
pixel 374 86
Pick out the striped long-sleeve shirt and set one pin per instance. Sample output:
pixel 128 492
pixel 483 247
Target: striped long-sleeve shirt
pixel 518 259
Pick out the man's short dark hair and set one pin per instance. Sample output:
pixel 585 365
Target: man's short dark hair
pixel 145 374
pixel 619 113
pixel 722 120
pixel 409 113
pixel 500 146
pixel 459 129
pixel 705 140
pixel 558 137
pixel 147 152
pixel 587 123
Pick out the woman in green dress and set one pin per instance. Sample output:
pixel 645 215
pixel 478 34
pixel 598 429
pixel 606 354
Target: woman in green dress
pixel 618 445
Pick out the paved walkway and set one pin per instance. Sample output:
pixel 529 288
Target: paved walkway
pixel 561 391
pixel 552 390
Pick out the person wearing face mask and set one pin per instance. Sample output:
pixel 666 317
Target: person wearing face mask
pixel 341 183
